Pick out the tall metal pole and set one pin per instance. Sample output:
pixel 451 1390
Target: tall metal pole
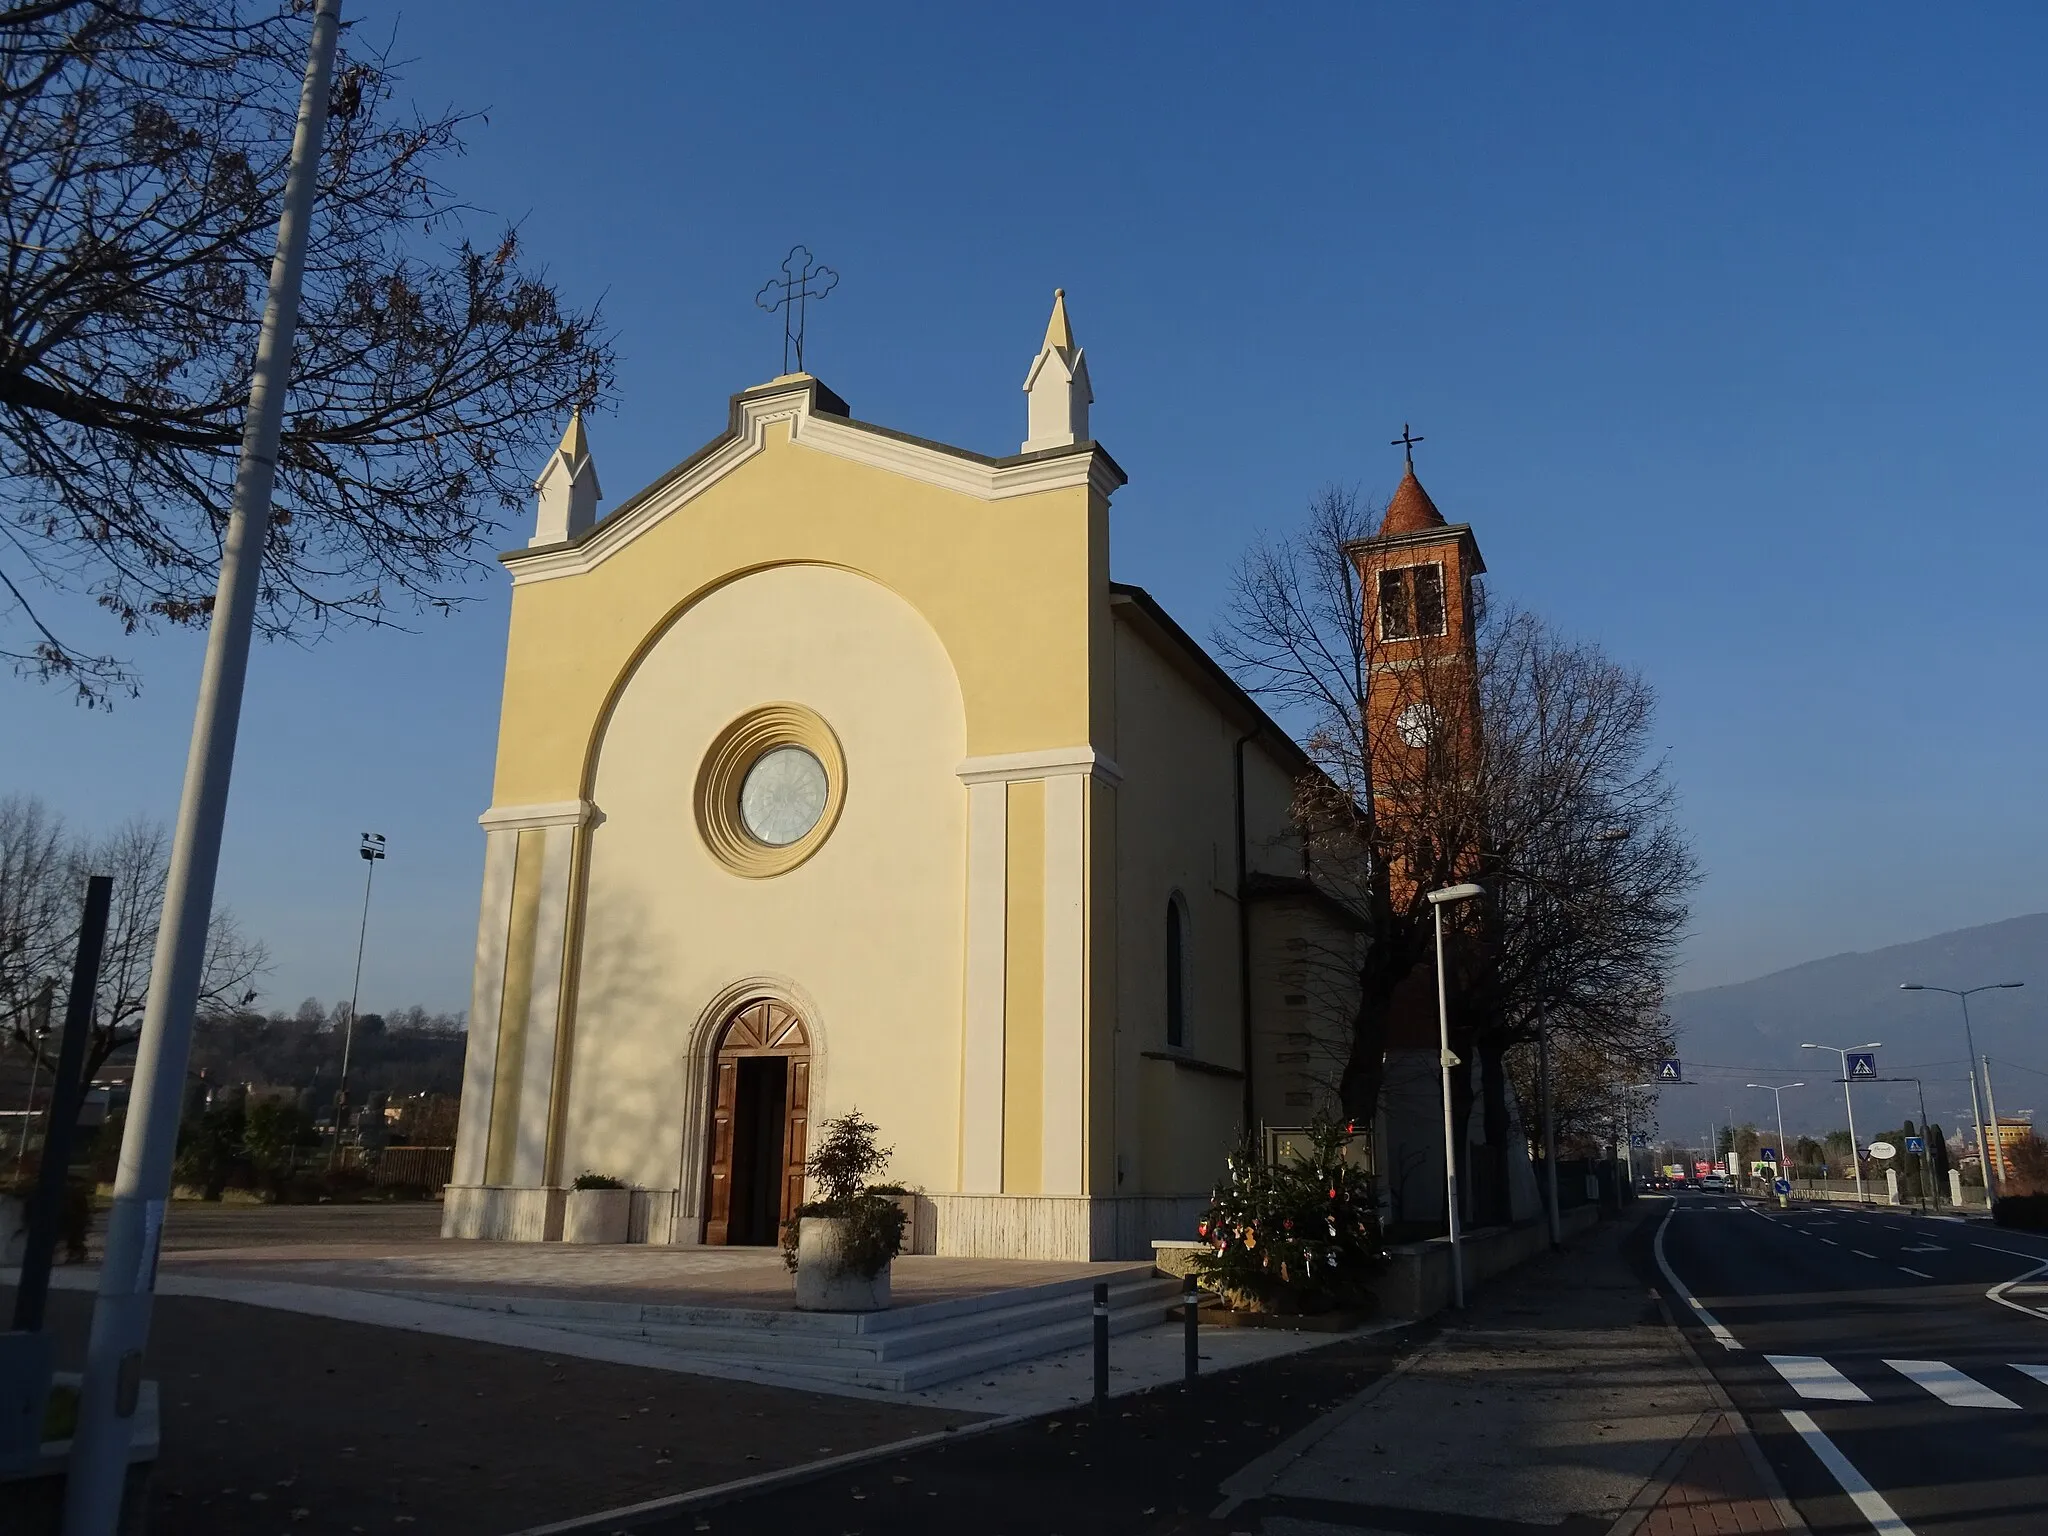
pixel 120 1324
pixel 1549 1128
pixel 1997 1153
pixel 1855 1146
pixel 1443 1030
pixel 1962 995
pixel 1984 1153
pixel 372 850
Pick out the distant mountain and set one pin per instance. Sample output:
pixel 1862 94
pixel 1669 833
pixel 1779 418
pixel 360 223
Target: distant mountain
pixel 1751 1031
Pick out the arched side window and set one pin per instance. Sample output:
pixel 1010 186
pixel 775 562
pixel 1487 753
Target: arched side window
pixel 1177 951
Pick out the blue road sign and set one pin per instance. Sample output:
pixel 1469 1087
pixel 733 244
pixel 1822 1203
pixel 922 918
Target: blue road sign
pixel 1916 1144
pixel 1783 1187
pixel 1767 1154
pixel 1669 1071
pixel 1862 1066
pixel 1639 1141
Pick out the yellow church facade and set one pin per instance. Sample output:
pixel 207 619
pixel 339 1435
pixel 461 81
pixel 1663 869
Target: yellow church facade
pixel 834 771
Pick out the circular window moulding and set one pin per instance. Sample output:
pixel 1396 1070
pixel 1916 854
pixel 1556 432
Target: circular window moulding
pixel 769 791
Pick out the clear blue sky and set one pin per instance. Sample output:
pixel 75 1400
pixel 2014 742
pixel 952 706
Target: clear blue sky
pixel 1726 326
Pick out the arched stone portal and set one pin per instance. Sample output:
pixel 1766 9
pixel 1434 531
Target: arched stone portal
pixel 760 1124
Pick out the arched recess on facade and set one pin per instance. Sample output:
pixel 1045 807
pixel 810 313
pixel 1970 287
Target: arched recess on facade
pixel 593 748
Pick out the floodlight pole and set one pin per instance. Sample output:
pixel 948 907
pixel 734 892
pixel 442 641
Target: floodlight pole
pixel 372 850
pixel 112 1381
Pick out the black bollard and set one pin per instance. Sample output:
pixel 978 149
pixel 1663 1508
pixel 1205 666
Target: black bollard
pixel 1191 1330
pixel 46 1215
pixel 1101 1346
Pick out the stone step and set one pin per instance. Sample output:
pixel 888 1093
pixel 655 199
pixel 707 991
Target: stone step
pixel 1146 1298
pixel 920 1346
pixel 1008 1346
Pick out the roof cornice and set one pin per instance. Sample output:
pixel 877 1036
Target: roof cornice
pixel 1421 538
pixel 817 420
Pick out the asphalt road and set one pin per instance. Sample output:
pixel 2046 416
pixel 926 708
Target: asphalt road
pixel 1894 1367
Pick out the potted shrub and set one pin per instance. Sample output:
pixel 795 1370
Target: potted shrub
pixel 1296 1237
pixel 841 1244
pixel 599 1210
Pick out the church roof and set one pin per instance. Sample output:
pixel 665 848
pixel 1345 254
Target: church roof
pixel 1411 510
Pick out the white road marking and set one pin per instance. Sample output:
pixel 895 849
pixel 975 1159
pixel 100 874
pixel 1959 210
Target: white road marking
pixel 1721 1335
pixel 1861 1254
pixel 1831 1242
pixel 1997 1292
pixel 2038 1372
pixel 1812 1377
pixel 1919 1272
pixel 1950 1384
pixel 1924 1248
pixel 1868 1501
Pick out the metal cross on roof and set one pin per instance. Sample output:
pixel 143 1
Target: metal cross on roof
pixel 1408 440
pixel 803 279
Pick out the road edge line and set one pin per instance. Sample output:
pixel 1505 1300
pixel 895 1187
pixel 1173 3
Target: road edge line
pixel 1996 1291
pixel 1870 1504
pixel 1713 1324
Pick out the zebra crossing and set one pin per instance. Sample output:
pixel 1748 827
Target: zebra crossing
pixel 1816 1380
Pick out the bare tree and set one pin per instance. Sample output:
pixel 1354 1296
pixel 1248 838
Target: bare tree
pixel 42 883
pixel 143 146
pixel 1509 766
pixel 35 918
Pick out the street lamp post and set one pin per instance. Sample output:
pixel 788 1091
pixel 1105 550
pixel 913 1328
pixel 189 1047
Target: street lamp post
pixel 1962 995
pixel 370 850
pixel 1778 1096
pixel 1438 900
pixel 96 1471
pixel 1855 1150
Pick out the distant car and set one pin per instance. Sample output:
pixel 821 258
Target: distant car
pixel 1713 1184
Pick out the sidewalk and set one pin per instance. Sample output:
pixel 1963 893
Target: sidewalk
pixel 1563 1402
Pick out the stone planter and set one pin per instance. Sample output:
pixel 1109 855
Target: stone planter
pixel 597 1216
pixel 823 1282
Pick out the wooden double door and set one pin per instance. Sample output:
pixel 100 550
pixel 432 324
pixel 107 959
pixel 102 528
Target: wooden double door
pixel 760 1125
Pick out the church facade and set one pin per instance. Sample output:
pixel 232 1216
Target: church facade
pixel 835 772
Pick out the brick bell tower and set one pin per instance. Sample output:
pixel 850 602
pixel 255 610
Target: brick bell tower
pixel 1422 683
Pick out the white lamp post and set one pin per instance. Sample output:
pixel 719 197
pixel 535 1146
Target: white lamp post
pixel 1976 1115
pixel 1438 900
pixel 1855 1149
pixel 1777 1095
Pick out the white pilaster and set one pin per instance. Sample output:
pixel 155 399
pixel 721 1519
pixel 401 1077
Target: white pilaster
pixel 981 1098
pixel 486 995
pixel 1064 1140
pixel 544 1008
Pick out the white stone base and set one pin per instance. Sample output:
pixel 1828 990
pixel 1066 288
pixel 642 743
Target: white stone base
pixel 502 1213
pixel 1060 1226
pixel 1065 1227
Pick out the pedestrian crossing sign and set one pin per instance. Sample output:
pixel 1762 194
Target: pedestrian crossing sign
pixel 1668 1071
pixel 1917 1145
pixel 1862 1065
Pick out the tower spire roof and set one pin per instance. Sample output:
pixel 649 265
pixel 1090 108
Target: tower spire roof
pixel 1058 331
pixel 1411 510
